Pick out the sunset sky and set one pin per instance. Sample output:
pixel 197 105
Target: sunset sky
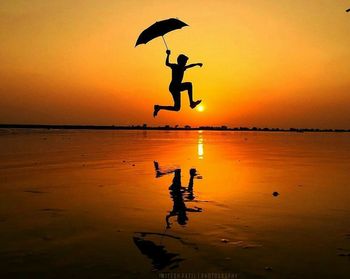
pixel 267 63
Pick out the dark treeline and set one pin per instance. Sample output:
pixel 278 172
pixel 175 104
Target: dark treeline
pixel 166 127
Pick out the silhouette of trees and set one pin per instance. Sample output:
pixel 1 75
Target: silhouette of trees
pixel 166 127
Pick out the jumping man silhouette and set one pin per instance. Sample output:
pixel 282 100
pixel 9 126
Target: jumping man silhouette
pixel 176 84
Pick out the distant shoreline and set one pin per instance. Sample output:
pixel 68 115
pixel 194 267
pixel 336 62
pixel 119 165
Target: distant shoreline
pixel 166 127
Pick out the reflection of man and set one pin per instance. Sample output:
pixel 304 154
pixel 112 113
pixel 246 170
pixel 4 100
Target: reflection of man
pixel 177 193
pixel 179 208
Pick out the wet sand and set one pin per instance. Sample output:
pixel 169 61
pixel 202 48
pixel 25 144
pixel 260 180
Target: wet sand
pixel 91 204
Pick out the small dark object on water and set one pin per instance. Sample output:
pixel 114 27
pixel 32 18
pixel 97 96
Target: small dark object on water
pixel 46 238
pixel 224 240
pixel 275 194
pixel 34 191
pixel 52 209
pixel 268 268
pixel 133 165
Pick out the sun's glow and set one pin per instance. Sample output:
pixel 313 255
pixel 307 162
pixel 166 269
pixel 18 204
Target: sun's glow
pixel 200 108
pixel 200 145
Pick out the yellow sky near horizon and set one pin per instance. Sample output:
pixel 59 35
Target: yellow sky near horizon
pixel 274 63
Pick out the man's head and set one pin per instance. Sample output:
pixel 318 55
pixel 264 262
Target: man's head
pixel 182 60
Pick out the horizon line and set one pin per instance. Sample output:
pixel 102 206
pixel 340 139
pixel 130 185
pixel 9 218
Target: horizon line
pixel 164 127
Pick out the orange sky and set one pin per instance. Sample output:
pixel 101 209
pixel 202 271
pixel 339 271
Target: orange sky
pixel 275 63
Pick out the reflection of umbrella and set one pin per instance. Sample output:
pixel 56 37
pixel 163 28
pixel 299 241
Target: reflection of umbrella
pixel 160 28
pixel 160 257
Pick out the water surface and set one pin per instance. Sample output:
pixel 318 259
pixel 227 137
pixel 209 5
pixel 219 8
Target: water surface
pixel 91 203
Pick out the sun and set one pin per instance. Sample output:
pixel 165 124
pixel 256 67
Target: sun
pixel 200 108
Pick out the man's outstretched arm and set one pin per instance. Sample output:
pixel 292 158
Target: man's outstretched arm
pixel 167 58
pixel 196 209
pixel 193 65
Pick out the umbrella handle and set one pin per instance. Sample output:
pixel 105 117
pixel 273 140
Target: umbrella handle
pixel 165 43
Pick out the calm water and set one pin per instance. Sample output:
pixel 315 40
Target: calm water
pixel 92 204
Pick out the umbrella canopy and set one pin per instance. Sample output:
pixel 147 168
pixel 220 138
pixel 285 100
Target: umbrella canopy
pixel 348 10
pixel 160 28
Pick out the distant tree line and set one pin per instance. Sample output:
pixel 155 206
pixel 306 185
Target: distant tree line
pixel 166 127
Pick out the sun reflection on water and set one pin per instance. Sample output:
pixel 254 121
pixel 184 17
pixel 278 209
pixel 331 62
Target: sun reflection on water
pixel 200 145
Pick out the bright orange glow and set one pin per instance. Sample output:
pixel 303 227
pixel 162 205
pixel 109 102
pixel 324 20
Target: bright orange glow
pixel 200 108
pixel 265 63
pixel 200 145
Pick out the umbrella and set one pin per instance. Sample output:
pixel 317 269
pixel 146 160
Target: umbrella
pixel 348 10
pixel 160 28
